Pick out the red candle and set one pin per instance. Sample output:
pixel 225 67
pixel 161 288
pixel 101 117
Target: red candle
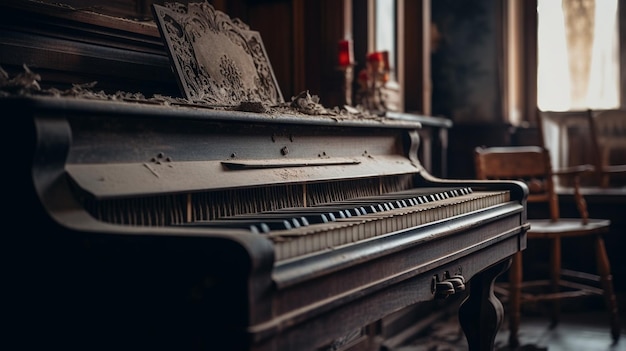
pixel 375 57
pixel 346 55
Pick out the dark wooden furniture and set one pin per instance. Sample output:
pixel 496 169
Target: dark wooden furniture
pixel 607 129
pixel 124 235
pixel 594 137
pixel 532 165
pixel 433 152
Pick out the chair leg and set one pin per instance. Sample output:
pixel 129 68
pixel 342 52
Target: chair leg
pixel 604 271
pixel 515 289
pixel 555 275
pixel 605 181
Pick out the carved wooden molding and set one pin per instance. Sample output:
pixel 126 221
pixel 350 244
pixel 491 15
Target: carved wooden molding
pixel 217 60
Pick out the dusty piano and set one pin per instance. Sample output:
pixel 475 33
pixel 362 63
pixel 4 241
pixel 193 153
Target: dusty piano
pixel 178 227
pixel 158 224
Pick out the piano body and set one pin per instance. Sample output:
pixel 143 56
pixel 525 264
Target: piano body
pixel 120 251
pixel 147 224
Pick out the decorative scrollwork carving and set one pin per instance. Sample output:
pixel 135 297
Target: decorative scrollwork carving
pixel 217 60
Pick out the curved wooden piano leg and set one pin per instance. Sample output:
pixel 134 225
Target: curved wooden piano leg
pixel 481 313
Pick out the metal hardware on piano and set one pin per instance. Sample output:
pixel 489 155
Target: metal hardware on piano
pixel 126 235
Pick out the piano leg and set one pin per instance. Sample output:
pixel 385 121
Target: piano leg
pixel 481 313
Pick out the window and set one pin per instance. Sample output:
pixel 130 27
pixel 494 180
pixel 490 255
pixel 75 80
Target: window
pixel 385 39
pixel 384 35
pixel 578 68
pixel 563 57
pixel 577 55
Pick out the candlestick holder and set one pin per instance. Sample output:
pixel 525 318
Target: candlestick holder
pixel 348 79
pixel 372 80
pixel 346 65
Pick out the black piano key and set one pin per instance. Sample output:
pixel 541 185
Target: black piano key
pixel 362 206
pixel 412 201
pixel 319 214
pixel 312 214
pixel 294 221
pixel 355 211
pixel 402 203
pixel 373 208
pixel 296 216
pixel 256 228
pixel 399 203
pixel 349 209
pixel 264 224
pixel 315 218
pixel 338 214
pixel 272 224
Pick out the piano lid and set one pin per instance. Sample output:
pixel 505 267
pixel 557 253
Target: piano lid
pixel 147 178
pixel 114 146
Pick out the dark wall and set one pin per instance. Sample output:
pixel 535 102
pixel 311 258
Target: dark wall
pixel 466 79
pixel 300 38
pixel 465 61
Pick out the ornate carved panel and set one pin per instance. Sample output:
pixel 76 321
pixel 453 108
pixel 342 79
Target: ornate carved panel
pixel 217 60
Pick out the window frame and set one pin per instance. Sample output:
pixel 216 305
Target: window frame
pixel 520 60
pixel 396 84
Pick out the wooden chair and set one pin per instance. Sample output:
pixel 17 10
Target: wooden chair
pixel 608 137
pixel 531 164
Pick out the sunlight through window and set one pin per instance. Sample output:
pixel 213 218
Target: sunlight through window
pixel 578 55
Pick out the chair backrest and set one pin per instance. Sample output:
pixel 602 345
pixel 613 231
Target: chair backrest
pixel 530 164
pixel 608 139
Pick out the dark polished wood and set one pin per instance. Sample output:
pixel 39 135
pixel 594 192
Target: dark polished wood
pixel 66 46
pixel 607 130
pixel 481 314
pixel 433 152
pixel 607 203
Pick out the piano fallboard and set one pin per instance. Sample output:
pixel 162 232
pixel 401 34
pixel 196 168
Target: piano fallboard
pixel 111 188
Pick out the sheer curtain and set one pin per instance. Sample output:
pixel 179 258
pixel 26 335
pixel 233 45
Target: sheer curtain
pixel 578 55
pixel 603 88
pixel 577 66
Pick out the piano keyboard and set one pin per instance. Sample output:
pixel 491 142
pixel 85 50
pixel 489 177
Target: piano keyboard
pixel 303 230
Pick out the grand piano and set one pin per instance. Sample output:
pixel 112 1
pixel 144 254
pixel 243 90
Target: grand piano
pixel 160 224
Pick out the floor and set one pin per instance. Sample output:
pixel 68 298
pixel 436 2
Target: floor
pixel 586 330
